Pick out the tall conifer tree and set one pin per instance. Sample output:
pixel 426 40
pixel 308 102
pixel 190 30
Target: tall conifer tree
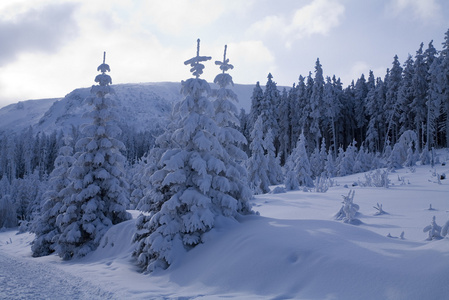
pixel 99 188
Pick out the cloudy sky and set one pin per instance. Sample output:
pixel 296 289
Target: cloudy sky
pixel 48 48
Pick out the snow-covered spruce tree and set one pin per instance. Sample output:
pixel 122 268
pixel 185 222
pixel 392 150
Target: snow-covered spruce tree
pixel 347 161
pixel 316 104
pixel 8 216
pixel 274 165
pixel 284 122
pixel 363 161
pixel 399 154
pixel 444 83
pixel 329 166
pixel 257 164
pixel 193 183
pixel 45 227
pixel 419 88
pixel 98 196
pixel 231 139
pixel 298 165
pixel 256 106
pixel 434 230
pixel 391 106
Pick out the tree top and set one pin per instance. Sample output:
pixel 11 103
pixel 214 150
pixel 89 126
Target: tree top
pixel 196 66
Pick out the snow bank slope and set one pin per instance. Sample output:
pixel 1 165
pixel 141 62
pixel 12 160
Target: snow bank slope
pixel 311 259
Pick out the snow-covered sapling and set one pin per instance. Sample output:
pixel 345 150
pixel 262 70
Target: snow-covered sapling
pixel 434 230
pixel 379 211
pixel 349 210
pixel 278 190
pixel 445 229
pixel 395 237
pixel 322 184
pixel 377 178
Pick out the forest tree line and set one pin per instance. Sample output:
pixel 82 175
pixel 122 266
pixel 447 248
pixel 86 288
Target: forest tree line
pixel 371 111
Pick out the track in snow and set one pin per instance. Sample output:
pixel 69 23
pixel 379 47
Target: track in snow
pixel 26 279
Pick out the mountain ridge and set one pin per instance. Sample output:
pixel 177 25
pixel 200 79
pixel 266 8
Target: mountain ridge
pixel 140 105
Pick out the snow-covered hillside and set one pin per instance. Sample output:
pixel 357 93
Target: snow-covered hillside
pixel 294 249
pixel 142 106
pixel 23 114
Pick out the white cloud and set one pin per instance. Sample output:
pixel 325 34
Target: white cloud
pixel 318 17
pixel 426 10
pixel 251 56
pixel 43 29
pixel 175 17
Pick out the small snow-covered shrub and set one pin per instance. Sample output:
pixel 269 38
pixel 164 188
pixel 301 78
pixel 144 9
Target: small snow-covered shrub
pixel 278 190
pixel 434 230
pixel 445 229
pixel 349 210
pixel 322 184
pixel 377 178
pixel 395 237
pixel 379 209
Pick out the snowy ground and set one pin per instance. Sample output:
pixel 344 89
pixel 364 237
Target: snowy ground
pixel 293 250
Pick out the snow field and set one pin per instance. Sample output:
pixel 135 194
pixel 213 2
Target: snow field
pixel 293 250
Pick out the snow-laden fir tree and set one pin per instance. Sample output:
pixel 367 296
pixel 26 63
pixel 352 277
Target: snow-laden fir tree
pixel 8 218
pixel 362 161
pixel 419 88
pixel 298 165
pixel 318 159
pixel 391 106
pixel 269 107
pixel 315 163
pixel 274 166
pixel 256 106
pixel 347 161
pixel 444 83
pixel 139 181
pixel 376 126
pixel 399 156
pixel 360 94
pixel 285 116
pixel 405 97
pixel 331 100
pixel 316 104
pixel 425 156
pixel 232 141
pixel 45 228
pixel 99 187
pixel 433 97
pixel 193 183
pixel 329 166
pixel 257 164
